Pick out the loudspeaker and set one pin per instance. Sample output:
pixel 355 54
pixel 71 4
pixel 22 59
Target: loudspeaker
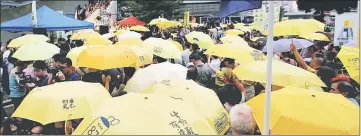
pixel 40 31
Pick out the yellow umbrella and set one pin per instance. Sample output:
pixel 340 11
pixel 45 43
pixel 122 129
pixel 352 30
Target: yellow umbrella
pixel 204 99
pixel 84 34
pixel 283 74
pixel 316 36
pixel 350 58
pixel 234 32
pixel 240 53
pixel 162 48
pixel 143 114
pixel 61 101
pixel 158 20
pixel 107 57
pixel 203 40
pixel 129 42
pixel 118 32
pixel 38 51
pixel 27 39
pixel 144 57
pixel 153 73
pixel 296 27
pixel 180 47
pixel 296 111
pixel 234 39
pixel 239 25
pixel 167 24
pixel 97 40
pixel 74 53
pixel 139 28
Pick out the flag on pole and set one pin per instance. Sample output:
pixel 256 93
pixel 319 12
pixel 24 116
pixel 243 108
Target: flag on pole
pixel 33 9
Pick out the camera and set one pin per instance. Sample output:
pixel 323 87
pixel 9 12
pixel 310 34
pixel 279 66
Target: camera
pixel 53 71
pixel 24 78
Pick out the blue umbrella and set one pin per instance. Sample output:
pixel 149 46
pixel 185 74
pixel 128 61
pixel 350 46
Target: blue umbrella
pixel 229 7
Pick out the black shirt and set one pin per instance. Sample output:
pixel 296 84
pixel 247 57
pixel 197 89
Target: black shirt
pixel 92 77
pixel 21 129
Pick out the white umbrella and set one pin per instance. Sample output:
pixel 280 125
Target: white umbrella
pixel 154 73
pixel 283 45
pixel 108 35
pixel 129 34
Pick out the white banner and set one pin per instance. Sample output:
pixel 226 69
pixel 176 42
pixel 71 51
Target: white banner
pixel 346 29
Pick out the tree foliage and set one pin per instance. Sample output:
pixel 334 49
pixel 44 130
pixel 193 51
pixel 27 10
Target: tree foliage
pixel 340 6
pixel 147 10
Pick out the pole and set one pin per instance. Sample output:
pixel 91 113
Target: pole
pixel 266 129
pixel 33 10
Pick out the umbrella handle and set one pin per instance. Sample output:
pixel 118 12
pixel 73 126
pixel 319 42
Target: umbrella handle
pixel 66 121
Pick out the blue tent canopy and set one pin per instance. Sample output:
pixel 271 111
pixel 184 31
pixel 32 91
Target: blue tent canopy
pixel 229 7
pixel 47 18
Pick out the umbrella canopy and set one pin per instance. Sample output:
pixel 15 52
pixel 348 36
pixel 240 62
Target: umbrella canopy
pixel 27 39
pixel 167 24
pixel 204 99
pixel 97 40
pixel 316 36
pixel 283 74
pixel 317 113
pixel 296 27
pixel 129 34
pixel 162 48
pixel 74 53
pixel 139 28
pixel 38 51
pixel 144 57
pixel 203 40
pixel 158 20
pixel 84 34
pixel 129 42
pixel 350 58
pixel 283 45
pixel 234 40
pixel 47 18
pixel 238 52
pixel 132 21
pixel 234 32
pixel 142 78
pixel 61 101
pixel 107 57
pixel 180 47
pixel 145 111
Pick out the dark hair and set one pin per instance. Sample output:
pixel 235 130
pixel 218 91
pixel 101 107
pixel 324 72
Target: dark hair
pixel 229 60
pixel 66 61
pixel 39 64
pixel 215 57
pixel 344 86
pixel 217 24
pixel 8 42
pixel 188 45
pixel 329 55
pixel 58 57
pixel 326 74
pixel 229 93
pixel 318 55
pixel 159 59
pixel 195 47
pixel 20 63
pixel 195 55
pixel 79 43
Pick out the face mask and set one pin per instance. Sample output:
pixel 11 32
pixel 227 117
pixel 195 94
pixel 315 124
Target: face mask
pixel 227 107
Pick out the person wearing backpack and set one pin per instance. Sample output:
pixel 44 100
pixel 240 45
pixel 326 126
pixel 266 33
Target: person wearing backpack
pixel 217 32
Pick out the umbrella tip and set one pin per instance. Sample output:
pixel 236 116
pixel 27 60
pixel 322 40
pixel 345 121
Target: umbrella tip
pixel 313 95
pixel 145 98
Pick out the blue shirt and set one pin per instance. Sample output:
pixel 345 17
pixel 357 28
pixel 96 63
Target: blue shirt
pixel 74 77
pixel 16 89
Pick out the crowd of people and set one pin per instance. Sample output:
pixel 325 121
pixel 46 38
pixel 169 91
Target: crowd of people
pixel 87 10
pixel 213 72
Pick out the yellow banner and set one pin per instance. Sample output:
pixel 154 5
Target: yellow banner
pixel 186 19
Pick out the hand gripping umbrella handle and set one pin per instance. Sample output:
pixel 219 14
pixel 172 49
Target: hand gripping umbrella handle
pixel 66 121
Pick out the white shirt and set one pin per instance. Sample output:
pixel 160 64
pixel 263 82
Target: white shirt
pixel 216 64
pixel 185 56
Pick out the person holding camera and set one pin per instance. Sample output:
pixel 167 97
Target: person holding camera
pixel 66 72
pixel 17 83
pixel 41 74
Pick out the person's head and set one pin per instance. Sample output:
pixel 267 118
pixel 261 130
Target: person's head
pixel 344 88
pixel 40 68
pixel 37 130
pixel 229 63
pixel 329 55
pixel 316 62
pixel 229 94
pixel 194 47
pixel 79 43
pixel 196 58
pixel 192 72
pixel 241 120
pixel 217 24
pixel 214 57
pixel 157 59
pixel 326 74
pixel 187 45
pixel 57 58
pixel 66 65
pixel 21 65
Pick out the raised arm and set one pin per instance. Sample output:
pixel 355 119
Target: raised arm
pixel 298 57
